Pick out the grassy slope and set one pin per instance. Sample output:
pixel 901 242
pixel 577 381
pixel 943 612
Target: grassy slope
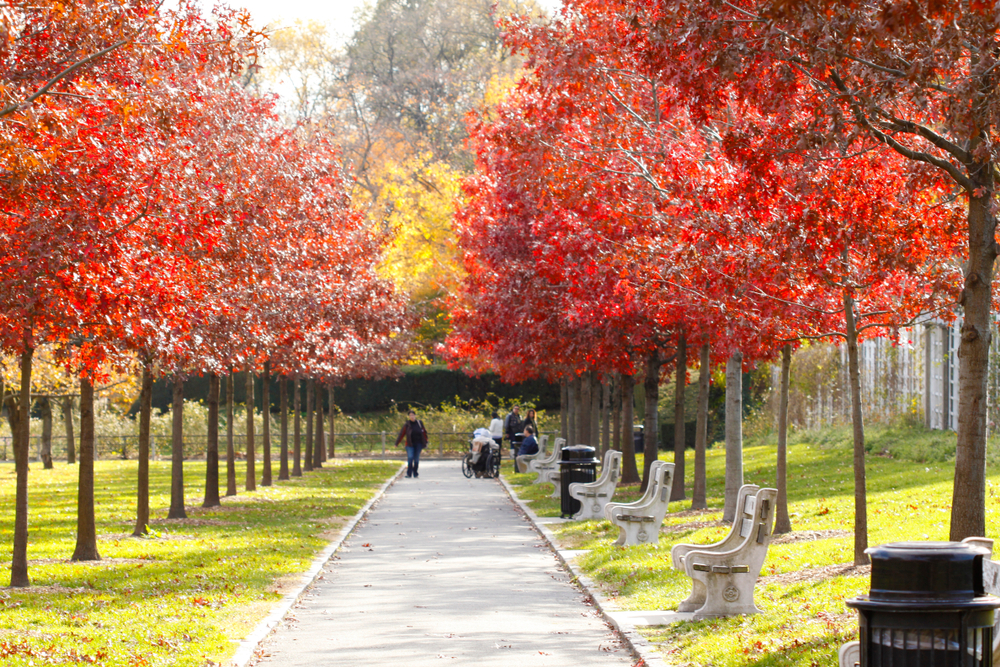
pixel 807 576
pixel 184 594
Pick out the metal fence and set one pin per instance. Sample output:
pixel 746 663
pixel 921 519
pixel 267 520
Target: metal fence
pixel 362 445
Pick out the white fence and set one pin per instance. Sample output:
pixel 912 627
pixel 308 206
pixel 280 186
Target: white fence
pixel 914 374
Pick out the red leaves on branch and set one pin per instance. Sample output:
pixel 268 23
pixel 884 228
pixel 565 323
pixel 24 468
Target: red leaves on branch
pixel 627 191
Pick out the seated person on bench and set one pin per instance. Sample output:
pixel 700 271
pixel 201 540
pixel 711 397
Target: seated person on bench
pixel 529 445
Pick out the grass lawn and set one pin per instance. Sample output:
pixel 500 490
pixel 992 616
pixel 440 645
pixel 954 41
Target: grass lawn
pixel 184 594
pixel 808 573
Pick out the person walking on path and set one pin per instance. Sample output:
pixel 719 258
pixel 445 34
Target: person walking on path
pixel 416 439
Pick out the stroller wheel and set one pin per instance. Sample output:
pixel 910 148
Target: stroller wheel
pixel 467 465
pixel 495 465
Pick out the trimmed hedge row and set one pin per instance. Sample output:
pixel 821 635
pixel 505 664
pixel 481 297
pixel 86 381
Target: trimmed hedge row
pixel 418 386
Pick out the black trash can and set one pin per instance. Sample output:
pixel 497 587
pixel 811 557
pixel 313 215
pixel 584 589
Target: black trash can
pixel 638 439
pixel 577 464
pixel 926 607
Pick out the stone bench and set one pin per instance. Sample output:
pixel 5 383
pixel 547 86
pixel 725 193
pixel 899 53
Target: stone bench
pixel 724 574
pixel 594 496
pixel 639 522
pixel 525 459
pixel 548 468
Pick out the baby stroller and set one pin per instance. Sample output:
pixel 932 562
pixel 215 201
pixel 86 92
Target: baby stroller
pixel 483 458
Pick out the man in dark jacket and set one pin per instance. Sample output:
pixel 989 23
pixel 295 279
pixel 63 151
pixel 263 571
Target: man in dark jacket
pixel 529 445
pixel 416 439
pixel 512 426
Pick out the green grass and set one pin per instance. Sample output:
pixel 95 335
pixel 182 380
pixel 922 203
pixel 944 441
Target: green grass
pixel 180 596
pixel 801 592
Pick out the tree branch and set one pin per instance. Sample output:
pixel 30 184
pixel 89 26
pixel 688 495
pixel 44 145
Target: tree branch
pixel 889 141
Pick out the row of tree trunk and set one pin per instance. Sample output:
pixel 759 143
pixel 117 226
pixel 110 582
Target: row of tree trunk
pixel 598 410
pixel 291 462
pixel 315 451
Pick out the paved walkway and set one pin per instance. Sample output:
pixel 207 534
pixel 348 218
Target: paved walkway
pixel 445 570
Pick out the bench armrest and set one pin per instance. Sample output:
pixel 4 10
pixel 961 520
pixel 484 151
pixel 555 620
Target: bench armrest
pixel 712 558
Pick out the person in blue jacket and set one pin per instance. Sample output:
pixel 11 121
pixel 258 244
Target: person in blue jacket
pixel 529 445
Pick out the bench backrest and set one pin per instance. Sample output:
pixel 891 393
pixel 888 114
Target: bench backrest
pixel 661 475
pixel 755 529
pixel 554 454
pixel 611 471
pixel 746 503
pixel 666 481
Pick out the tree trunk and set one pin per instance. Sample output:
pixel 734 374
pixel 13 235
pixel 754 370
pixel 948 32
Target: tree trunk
pixel 177 510
pixel 616 412
pixel 968 504
pixel 734 434
pixel 283 406
pixel 594 409
pixel 251 454
pixel 310 406
pixel 265 436
pixel 297 446
pixel 230 436
pixel 319 445
pixel 45 403
pixel 19 557
pixel 630 473
pixel 86 525
pixel 680 445
pixel 782 522
pixel 142 484
pixel 564 408
pixel 333 424
pixel 651 422
pixel 583 410
pixel 858 424
pixel 67 407
pixel 572 394
pixel 212 450
pixel 698 495
pixel 605 414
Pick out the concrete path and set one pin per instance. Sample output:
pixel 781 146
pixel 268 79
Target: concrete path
pixel 445 570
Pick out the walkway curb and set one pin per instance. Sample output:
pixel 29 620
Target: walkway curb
pixel 248 647
pixel 636 642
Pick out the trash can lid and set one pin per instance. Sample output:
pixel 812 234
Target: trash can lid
pixel 926 570
pixel 577 452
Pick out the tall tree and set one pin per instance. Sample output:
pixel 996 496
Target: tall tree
pixel 177 509
pixel 283 407
pixel 251 480
pixel 142 484
pixel 680 380
pixel 734 434
pixel 265 401
pixel 700 490
pixel 212 449
pixel 86 525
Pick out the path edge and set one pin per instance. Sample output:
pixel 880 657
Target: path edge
pixel 638 644
pixel 246 652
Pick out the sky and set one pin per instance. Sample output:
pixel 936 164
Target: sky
pixel 337 14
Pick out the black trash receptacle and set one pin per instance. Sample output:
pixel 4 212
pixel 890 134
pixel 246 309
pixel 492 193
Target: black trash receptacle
pixel 578 464
pixel 638 439
pixel 926 607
